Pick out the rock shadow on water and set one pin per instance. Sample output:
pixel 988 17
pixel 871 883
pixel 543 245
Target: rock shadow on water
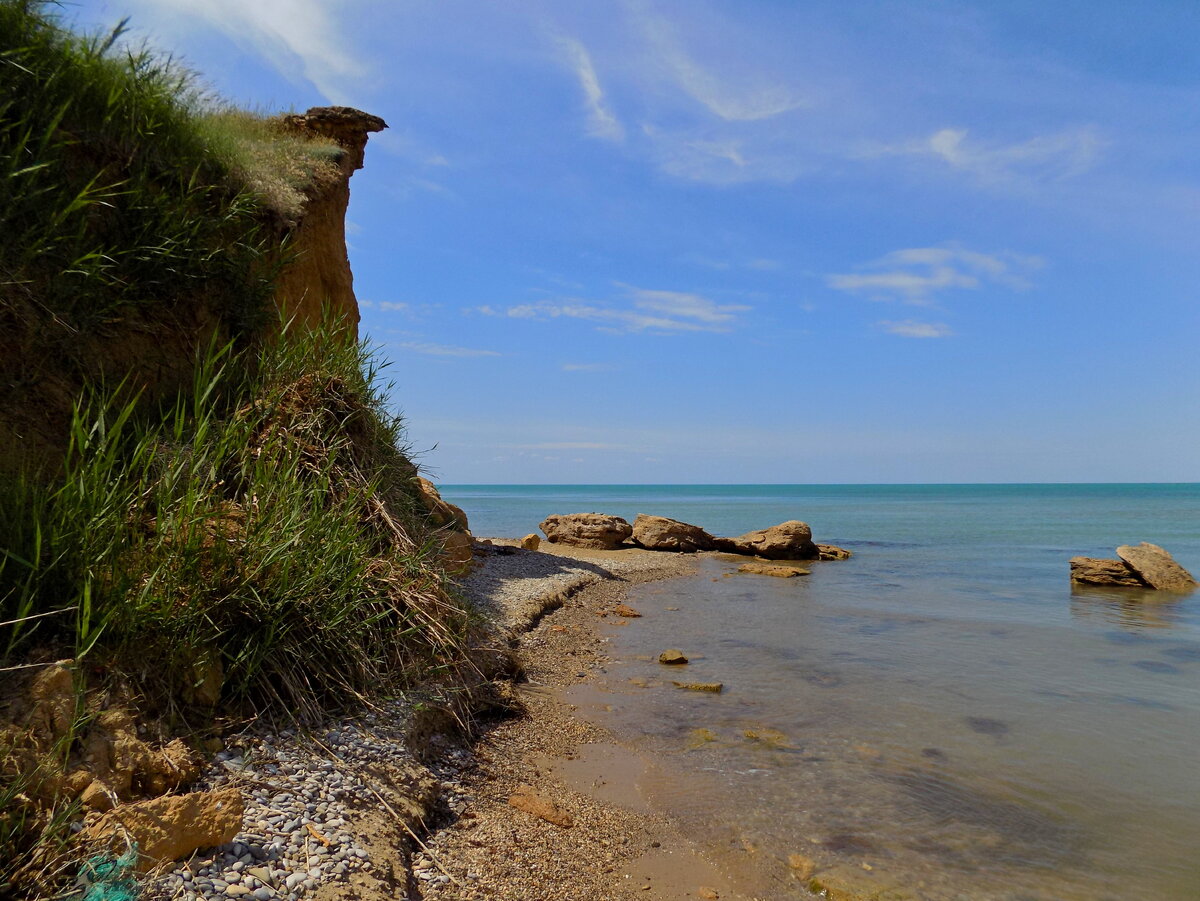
pixel 991 828
pixel 1157 666
pixel 987 726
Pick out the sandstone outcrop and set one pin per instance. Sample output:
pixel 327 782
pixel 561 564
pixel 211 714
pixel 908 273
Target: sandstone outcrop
pixel 791 540
pixel 1156 567
pixel 1102 572
pixel 172 826
pixel 442 513
pixel 657 533
pixel 589 530
pixel 317 278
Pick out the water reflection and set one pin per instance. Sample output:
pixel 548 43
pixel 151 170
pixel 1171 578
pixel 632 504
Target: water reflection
pixel 1127 607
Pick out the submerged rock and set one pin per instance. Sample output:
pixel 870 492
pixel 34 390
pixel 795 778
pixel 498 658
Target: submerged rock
pixel 772 569
pixel 711 687
pixel 591 530
pixel 790 540
pixel 672 657
pixel 833 552
pixel 1156 567
pixel 657 533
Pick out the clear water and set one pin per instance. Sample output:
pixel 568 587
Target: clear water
pixel 940 715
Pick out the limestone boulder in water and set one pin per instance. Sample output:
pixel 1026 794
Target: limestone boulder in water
pixel 833 552
pixel 590 530
pixel 1156 567
pixel 658 533
pixel 1102 572
pixel 791 540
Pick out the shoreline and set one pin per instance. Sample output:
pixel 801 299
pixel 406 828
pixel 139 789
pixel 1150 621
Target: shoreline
pixel 616 846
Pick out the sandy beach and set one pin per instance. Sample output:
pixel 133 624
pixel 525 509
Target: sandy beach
pixel 615 846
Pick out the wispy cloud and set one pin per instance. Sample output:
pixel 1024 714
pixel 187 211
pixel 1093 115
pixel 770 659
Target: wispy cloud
pixel 651 311
pixel 740 96
pixel 1042 157
pixel 602 121
pixel 566 445
pixel 285 32
pixel 916 275
pixel 911 328
pixel 445 350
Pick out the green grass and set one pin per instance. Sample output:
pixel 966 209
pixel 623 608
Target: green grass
pixel 123 186
pixel 265 523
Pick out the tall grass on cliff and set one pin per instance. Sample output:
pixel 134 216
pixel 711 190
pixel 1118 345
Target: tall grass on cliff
pixel 124 187
pixel 260 539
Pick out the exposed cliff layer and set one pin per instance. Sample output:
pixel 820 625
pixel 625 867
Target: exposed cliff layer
pixel 317 278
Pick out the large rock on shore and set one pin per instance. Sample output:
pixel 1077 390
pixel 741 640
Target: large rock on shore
pixel 1156 567
pixel 791 540
pixel 173 826
pixel 442 513
pixel 592 530
pixel 657 533
pixel 1104 573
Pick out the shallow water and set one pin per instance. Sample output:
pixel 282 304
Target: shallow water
pixel 940 714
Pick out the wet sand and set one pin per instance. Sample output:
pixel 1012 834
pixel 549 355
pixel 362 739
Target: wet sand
pixel 615 846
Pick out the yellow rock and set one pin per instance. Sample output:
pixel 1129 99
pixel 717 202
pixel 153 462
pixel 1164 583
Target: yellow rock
pixel 173 826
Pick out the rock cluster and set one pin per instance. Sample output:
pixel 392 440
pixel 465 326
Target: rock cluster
pixel 1142 566
pixel 790 540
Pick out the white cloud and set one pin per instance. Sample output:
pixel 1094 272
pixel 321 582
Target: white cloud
pixel 915 275
pixel 445 350
pixel 1042 157
pixel 286 32
pixel 387 306
pixel 911 328
pixel 652 310
pixel 602 122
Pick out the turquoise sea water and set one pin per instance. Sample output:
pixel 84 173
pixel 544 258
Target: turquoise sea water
pixel 942 714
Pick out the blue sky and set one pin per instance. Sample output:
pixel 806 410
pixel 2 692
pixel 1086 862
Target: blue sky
pixel 756 241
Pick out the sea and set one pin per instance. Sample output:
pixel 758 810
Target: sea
pixel 941 716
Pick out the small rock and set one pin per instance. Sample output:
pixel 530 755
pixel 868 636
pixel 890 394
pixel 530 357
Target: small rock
pixel 626 611
pixel 531 542
pixel 708 894
pixel 672 657
pixel 802 867
pixel 713 687
pixel 527 799
pixel 769 569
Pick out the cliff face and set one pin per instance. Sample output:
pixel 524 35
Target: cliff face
pixel 318 276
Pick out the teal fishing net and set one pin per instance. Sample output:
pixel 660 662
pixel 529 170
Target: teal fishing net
pixel 108 878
